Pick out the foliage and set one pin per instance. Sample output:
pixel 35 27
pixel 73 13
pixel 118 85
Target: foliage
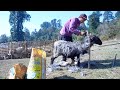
pixel 117 15
pixel 3 38
pixel 108 29
pixel 108 16
pixel 48 31
pixel 94 22
pixel 27 34
pixel 16 20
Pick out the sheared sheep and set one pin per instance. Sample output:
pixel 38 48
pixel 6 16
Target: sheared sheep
pixel 74 49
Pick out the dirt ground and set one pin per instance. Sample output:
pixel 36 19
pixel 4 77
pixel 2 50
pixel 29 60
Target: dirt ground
pixel 101 64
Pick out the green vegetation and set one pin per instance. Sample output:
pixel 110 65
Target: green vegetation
pixel 16 20
pixel 108 29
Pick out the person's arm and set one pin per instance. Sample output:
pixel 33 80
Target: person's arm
pixel 73 27
pixel 87 32
pixel 84 28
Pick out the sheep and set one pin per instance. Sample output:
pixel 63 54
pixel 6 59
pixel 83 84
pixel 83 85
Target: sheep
pixel 74 49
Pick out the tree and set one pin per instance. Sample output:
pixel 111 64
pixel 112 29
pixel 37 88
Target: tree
pixel 94 21
pixel 117 14
pixel 9 38
pixel 45 25
pixel 54 23
pixel 27 34
pixel 59 26
pixel 49 30
pixel 3 38
pixel 108 16
pixel 16 20
pixel 109 30
pixel 98 14
pixel 34 35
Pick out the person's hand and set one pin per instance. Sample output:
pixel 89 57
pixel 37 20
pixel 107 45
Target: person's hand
pixel 83 33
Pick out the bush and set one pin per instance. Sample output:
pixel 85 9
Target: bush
pixel 104 37
pixel 109 30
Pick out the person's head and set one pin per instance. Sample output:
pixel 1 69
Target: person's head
pixel 82 18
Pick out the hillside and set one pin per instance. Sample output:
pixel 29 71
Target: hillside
pixel 101 62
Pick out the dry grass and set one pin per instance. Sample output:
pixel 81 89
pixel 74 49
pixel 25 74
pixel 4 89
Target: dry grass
pixel 101 62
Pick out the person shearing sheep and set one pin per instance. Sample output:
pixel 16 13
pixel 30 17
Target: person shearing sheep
pixel 71 26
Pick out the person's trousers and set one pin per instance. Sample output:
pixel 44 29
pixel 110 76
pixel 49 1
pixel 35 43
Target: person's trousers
pixel 65 38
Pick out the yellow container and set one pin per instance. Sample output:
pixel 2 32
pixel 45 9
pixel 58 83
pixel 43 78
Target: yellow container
pixel 37 65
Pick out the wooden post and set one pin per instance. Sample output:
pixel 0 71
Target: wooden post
pixel 52 42
pixel 11 49
pixel 113 63
pixel 89 59
pixel 25 48
pixel 8 48
pixel 45 44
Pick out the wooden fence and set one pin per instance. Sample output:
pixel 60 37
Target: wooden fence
pixel 5 47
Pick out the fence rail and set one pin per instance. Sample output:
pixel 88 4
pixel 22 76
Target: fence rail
pixel 5 47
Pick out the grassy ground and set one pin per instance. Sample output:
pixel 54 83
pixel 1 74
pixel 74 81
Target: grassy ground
pixel 101 56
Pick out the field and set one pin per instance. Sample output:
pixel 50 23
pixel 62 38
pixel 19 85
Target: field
pixel 101 64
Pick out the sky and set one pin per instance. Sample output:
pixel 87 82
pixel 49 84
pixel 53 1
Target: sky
pixel 38 17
